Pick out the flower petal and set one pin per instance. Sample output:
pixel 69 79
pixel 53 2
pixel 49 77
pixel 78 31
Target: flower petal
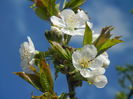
pixel 86 73
pixel 97 62
pixel 54 28
pixel 66 31
pixel 30 46
pixel 100 81
pixel 90 24
pixel 79 32
pixel 70 18
pixel 105 59
pixel 89 51
pixel 97 71
pixel 82 15
pixel 65 14
pixel 83 18
pixel 57 21
pixel 95 36
pixel 76 56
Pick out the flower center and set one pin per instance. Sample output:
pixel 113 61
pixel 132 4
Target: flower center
pixel 71 22
pixel 85 62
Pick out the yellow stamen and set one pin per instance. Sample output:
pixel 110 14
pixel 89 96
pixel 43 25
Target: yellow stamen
pixel 84 62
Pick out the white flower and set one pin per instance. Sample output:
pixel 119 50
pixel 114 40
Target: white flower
pixel 71 23
pixel 87 63
pixel 27 52
pixel 90 66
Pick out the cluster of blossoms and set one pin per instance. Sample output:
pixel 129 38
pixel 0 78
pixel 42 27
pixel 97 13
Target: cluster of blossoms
pixel 87 63
pixel 85 60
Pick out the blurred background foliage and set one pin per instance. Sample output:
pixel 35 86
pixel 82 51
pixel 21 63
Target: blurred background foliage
pixel 125 81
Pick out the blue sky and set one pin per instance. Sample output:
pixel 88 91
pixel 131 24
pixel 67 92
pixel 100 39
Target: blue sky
pixel 19 21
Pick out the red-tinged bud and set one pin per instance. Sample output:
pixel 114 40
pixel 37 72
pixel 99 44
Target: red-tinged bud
pixel 39 3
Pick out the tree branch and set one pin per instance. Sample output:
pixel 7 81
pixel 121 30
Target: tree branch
pixel 71 87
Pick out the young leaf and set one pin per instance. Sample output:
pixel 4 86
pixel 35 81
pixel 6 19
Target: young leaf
pixel 46 77
pixel 41 13
pixel 87 36
pixel 109 43
pixel 46 8
pixel 33 79
pixel 74 4
pixel 104 41
pixel 104 36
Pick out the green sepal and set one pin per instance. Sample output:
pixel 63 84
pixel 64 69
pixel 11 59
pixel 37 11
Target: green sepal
pixel 67 39
pixel 64 53
pixel 53 36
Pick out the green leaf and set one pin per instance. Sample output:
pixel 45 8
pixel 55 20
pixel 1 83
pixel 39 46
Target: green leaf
pixel 42 13
pixel 131 11
pixel 121 95
pixel 109 43
pixel 46 8
pixel 104 41
pixel 121 69
pixel 104 36
pixel 130 68
pixel 33 79
pixel 87 36
pixel 74 4
pixel 46 77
